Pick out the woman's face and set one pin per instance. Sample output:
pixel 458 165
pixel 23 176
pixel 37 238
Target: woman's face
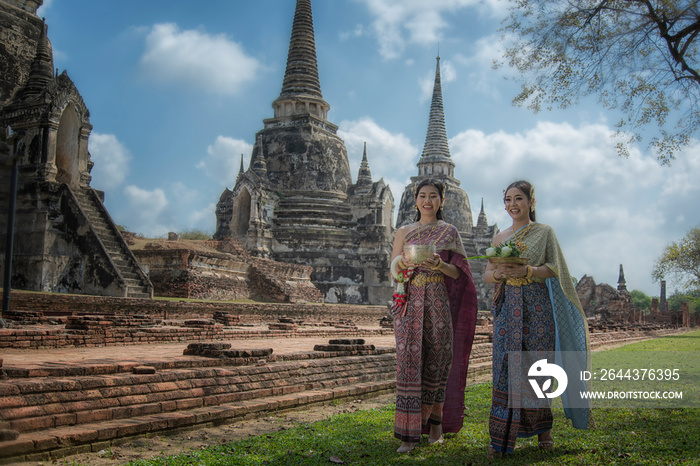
pixel 428 201
pixel 517 204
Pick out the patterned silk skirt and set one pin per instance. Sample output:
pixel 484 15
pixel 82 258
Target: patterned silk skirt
pixel 523 321
pixel 423 355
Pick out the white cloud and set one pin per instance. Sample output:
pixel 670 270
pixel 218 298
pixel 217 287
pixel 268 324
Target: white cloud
pixel 398 23
pixel 146 211
pixel 204 219
pixel 481 75
pixel 195 59
pixel 223 161
pixel 386 152
pixel 606 210
pixel 111 161
pixel 390 156
pixel 358 31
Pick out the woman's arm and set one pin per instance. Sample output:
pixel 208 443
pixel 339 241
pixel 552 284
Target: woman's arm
pixel 397 251
pixel 447 268
pixel 398 242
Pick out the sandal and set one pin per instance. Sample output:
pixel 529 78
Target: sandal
pixel 548 443
pixel 406 447
pixel 440 439
pixel 493 453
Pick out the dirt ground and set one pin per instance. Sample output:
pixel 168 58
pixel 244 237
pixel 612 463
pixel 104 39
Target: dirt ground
pixel 172 443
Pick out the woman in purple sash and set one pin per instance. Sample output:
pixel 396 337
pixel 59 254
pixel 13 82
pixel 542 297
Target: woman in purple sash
pixel 434 314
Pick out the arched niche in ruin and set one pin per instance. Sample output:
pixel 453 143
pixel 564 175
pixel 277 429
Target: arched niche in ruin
pixel 241 213
pixel 388 213
pixel 67 147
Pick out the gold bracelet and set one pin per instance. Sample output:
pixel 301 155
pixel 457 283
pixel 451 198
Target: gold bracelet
pixel 529 273
pixel 493 276
pixel 439 264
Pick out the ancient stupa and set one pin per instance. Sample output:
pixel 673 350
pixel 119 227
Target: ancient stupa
pixel 297 203
pixel 435 162
pixel 64 238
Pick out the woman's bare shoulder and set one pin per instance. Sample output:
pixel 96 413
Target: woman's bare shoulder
pixel 501 236
pixel 405 229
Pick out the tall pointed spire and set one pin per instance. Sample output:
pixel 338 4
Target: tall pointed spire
pixel 301 76
pixel 301 88
pixel 482 222
pixel 621 283
pixel 241 171
pixel 258 164
pixel 41 72
pixel 364 176
pixel 436 159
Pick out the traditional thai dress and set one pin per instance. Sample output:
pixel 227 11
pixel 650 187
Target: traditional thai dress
pixel 434 332
pixel 543 316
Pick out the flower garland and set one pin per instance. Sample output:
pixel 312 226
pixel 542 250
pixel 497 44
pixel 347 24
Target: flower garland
pixel 401 295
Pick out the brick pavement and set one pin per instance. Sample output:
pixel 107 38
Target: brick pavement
pixel 156 351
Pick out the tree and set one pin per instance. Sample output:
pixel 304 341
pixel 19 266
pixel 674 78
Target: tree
pixel 637 56
pixel 681 262
pixel 640 300
pixel 691 299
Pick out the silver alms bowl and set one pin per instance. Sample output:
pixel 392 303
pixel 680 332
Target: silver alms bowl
pixel 418 253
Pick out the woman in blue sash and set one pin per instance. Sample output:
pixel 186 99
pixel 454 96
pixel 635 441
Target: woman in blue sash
pixel 535 309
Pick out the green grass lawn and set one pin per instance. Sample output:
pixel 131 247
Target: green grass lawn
pixel 648 436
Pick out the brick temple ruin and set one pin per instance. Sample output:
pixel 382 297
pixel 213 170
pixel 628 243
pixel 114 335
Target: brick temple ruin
pixel 222 270
pixel 608 308
pixel 436 163
pixel 64 239
pixel 297 203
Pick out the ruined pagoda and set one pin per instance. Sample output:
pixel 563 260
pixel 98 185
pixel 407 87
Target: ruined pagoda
pixel 64 238
pixel 297 203
pixel 436 163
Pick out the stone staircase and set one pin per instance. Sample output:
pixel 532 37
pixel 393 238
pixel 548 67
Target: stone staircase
pixel 68 408
pixel 137 283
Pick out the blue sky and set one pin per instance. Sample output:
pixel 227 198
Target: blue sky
pixel 177 90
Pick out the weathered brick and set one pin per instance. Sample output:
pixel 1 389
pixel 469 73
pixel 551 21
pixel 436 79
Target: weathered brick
pixel 96 415
pixel 12 401
pixel 22 412
pixel 17 447
pixel 32 423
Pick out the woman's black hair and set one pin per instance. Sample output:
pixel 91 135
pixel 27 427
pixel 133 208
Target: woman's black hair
pixel 527 189
pixel 441 190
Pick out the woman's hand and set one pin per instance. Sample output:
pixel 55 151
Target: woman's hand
pixel 407 264
pixel 433 263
